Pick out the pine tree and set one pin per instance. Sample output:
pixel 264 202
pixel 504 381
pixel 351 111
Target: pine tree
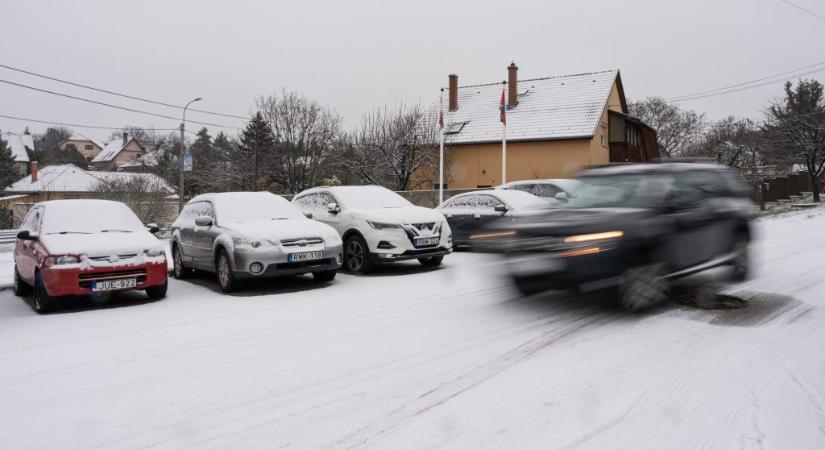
pixel 8 175
pixel 257 139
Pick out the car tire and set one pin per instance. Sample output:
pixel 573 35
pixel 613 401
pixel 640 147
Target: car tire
pixel 528 285
pixel 740 265
pixel 643 286
pixel 357 255
pixel 21 289
pixel 42 302
pixel 432 261
pixel 180 271
pixel 325 277
pixel 223 269
pixel 157 292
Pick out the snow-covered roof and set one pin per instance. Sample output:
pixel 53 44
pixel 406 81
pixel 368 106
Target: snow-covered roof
pixel 70 178
pixel 80 137
pixel 558 107
pixel 111 149
pixel 18 144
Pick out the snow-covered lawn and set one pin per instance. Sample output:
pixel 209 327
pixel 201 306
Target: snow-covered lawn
pixel 414 358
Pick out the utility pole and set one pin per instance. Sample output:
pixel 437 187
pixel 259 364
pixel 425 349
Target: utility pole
pixel 181 154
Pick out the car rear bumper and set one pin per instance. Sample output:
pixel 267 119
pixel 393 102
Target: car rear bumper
pixel 78 280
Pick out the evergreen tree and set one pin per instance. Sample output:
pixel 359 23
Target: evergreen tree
pixel 8 175
pixel 257 140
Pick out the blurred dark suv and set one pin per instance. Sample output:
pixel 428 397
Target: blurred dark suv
pixel 635 226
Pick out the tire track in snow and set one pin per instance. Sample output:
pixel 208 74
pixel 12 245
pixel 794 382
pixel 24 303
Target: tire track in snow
pixel 458 385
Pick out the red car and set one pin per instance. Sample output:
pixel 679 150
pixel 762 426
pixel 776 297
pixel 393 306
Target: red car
pixel 84 247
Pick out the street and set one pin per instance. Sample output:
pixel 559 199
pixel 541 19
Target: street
pixel 414 357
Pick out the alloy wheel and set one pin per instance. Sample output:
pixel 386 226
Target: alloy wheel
pixel 223 270
pixel 355 255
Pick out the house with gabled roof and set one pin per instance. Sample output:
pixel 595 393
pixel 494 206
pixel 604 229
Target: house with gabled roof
pixel 20 146
pixel 118 153
pixel 556 126
pixel 86 146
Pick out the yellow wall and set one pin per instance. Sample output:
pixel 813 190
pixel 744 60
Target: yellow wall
pixel 81 147
pixel 129 153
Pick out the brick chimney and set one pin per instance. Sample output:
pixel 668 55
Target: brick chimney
pixel 125 139
pixel 453 92
pixel 34 171
pixel 512 85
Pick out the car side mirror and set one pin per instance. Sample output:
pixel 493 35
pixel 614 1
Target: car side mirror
pixel 26 235
pixel 203 221
pixel 333 208
pixel 500 208
pixel 152 227
pixel 561 196
pixel 308 214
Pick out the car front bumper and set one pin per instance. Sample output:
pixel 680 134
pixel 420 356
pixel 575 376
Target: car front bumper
pixel 274 262
pixel 77 279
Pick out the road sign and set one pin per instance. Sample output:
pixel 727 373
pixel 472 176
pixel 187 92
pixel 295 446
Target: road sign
pixel 187 163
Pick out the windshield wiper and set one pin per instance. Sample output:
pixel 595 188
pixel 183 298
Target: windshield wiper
pixel 115 230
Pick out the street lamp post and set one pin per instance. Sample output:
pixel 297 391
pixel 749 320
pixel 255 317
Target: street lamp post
pixel 181 154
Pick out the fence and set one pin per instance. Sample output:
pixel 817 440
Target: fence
pixel 776 189
pixel 8 236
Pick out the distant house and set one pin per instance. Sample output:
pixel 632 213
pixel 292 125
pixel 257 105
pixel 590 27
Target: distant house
pixel 65 181
pixel 86 146
pixel 20 145
pixel 556 126
pixel 119 153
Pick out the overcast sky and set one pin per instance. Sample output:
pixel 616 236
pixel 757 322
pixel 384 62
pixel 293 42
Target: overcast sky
pixel 354 55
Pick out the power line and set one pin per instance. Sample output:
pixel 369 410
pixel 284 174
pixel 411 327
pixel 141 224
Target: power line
pixel 748 82
pixel 132 97
pixel 753 86
pixel 803 9
pixel 96 127
pixel 111 106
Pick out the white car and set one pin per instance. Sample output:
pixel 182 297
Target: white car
pixel 378 225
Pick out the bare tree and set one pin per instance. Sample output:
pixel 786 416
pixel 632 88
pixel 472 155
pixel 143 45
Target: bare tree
pixel 392 144
pixel 796 126
pixel 676 129
pixel 306 135
pixel 145 194
pixel 734 142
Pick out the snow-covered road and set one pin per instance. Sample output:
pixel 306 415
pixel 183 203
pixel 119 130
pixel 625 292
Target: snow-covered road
pixel 416 358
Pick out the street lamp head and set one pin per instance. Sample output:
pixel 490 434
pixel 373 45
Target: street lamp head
pixel 197 99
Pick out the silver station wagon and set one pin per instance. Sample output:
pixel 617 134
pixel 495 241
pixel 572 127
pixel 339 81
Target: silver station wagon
pixel 242 235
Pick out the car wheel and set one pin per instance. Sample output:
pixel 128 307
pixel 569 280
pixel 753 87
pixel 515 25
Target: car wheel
pixel 432 261
pixel 21 289
pixel 157 292
pixel 643 286
pixel 226 278
pixel 326 276
pixel 178 269
pixel 528 285
pixel 740 266
pixel 357 255
pixel 42 301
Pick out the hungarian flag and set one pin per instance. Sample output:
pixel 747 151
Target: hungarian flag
pixel 503 108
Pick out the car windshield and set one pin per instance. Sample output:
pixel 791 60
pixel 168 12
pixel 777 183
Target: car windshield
pixel 620 191
pixel 252 206
pixel 368 197
pixel 89 216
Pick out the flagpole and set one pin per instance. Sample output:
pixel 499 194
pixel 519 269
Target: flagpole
pixel 441 148
pixel 503 139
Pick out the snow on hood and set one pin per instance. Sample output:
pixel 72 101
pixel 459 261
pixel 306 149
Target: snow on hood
pixel 410 214
pixel 100 244
pixel 276 230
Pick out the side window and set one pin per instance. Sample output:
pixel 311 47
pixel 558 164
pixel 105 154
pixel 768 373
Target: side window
pixel 488 202
pixel 708 183
pixel 464 202
pixel 208 210
pixel 546 190
pixel 303 202
pixel 32 220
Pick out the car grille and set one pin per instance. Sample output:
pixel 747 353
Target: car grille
pixel 426 229
pixel 302 242
pixel 108 257
pixel 86 279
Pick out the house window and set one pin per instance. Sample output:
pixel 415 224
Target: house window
pixel 455 127
pixel 601 139
pixel 436 185
pixel 89 147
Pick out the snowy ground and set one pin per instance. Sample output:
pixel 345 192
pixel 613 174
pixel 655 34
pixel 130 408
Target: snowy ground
pixel 412 358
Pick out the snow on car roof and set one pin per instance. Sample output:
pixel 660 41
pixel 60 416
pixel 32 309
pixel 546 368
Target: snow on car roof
pixel 565 183
pixel 665 167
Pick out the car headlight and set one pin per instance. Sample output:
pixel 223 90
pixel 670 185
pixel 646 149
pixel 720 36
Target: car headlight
pixel 154 252
pixel 61 260
pixel 593 237
pixel 246 243
pixel 383 226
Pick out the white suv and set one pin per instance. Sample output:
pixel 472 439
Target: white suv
pixel 378 225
